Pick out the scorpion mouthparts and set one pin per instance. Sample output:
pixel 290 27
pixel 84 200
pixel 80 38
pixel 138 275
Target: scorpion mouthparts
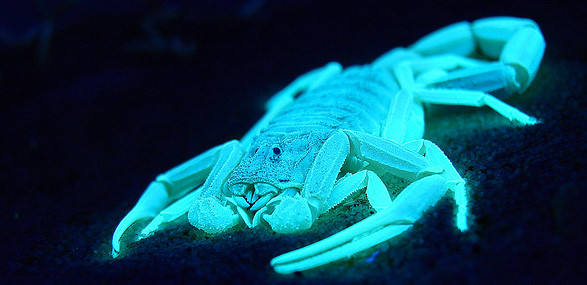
pixel 241 202
pixel 262 202
pixel 253 196
pixel 250 196
pixel 260 190
pixel 239 189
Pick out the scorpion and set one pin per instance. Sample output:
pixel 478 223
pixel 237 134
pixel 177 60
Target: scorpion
pixel 334 131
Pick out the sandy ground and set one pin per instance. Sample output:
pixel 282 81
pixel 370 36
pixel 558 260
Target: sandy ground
pixel 85 131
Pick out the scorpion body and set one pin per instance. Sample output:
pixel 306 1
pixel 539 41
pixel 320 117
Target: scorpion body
pixel 332 132
pixel 358 99
pixel 282 153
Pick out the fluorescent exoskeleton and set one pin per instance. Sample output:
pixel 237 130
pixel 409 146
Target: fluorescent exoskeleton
pixel 335 131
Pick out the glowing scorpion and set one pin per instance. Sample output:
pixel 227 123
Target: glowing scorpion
pixel 334 131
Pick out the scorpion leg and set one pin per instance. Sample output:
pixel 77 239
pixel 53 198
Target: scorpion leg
pixel 405 118
pixel 453 179
pixel 407 207
pixel 402 117
pixel 473 98
pixel 390 157
pixel 287 95
pixel 168 187
pixel 377 193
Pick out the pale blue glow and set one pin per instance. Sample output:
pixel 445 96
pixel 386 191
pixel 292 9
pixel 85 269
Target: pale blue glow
pixel 462 204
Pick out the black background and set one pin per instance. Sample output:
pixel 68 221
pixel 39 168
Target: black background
pixel 86 124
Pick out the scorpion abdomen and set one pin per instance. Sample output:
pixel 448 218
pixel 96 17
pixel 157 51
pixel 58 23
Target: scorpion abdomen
pixel 356 99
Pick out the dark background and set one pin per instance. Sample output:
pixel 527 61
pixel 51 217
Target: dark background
pixel 98 97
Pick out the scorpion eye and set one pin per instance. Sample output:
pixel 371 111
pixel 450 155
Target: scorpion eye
pixel 276 151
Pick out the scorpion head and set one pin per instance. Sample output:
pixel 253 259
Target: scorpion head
pixel 275 165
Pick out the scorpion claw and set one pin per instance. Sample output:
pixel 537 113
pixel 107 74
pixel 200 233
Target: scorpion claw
pixel 292 214
pixel 149 205
pixel 211 216
pixel 177 209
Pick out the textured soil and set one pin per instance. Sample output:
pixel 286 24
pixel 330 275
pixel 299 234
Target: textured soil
pixel 85 129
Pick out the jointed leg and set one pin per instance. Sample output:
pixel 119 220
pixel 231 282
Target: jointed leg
pixel 377 193
pixel 453 179
pixel 475 99
pixel 382 226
